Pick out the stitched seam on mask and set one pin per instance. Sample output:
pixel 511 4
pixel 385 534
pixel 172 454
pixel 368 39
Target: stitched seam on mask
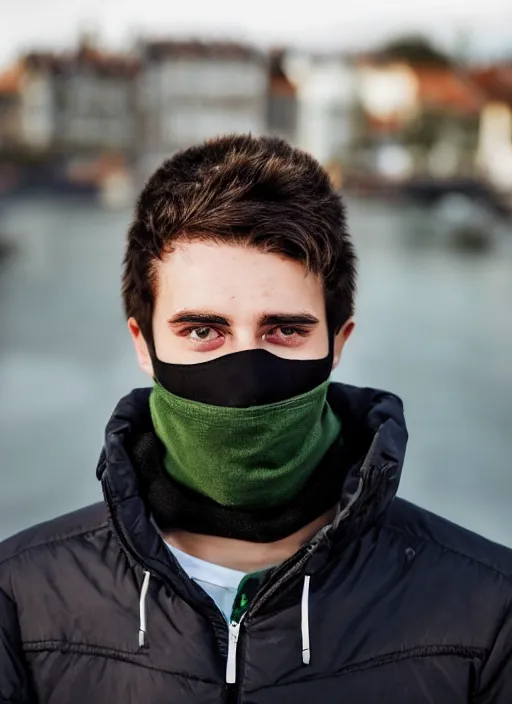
pixel 133 658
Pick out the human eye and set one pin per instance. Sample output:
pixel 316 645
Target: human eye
pixel 287 335
pixel 202 335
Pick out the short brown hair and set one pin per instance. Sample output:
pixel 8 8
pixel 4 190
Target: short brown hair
pixel 259 191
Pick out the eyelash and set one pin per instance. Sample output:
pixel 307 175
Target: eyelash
pixel 301 332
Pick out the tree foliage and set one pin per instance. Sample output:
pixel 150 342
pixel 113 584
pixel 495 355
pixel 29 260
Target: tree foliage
pixel 416 50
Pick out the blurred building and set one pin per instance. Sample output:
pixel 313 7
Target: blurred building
pixel 387 92
pixel 495 136
pixel 189 91
pixel 437 118
pixel 84 101
pixel 326 98
pixel 68 121
pixel 282 103
pixel 72 103
pixel 418 117
pixel 10 82
pixel 91 119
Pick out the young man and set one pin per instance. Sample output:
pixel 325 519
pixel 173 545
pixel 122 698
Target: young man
pixel 250 547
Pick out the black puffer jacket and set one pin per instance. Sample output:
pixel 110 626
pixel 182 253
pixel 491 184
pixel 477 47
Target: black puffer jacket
pixel 402 606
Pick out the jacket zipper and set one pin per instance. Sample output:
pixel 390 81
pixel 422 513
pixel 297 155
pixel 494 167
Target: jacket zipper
pixel 299 559
pixel 233 663
pixel 287 572
pixel 234 634
pixel 284 577
pixel 234 628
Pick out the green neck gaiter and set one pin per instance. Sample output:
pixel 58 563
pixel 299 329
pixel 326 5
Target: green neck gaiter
pixel 248 458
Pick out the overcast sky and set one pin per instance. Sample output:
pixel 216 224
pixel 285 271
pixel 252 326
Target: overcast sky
pixel 344 24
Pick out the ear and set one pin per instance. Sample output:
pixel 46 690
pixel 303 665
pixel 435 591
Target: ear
pixel 141 348
pixel 339 341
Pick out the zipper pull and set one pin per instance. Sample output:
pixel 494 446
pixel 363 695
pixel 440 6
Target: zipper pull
pixel 234 632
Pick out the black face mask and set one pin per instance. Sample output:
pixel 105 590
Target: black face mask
pixel 243 379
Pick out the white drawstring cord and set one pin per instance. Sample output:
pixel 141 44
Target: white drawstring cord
pixel 142 608
pixel 304 621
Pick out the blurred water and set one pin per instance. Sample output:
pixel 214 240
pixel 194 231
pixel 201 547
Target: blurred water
pixel 434 326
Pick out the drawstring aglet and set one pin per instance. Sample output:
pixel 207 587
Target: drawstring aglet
pixel 142 608
pixel 304 622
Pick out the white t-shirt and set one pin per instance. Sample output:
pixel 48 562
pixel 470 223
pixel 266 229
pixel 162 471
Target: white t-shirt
pixel 220 583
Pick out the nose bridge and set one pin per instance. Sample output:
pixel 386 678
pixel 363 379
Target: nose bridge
pixel 246 339
pixel 246 332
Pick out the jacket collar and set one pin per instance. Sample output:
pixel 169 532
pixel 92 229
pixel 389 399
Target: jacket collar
pixel 374 431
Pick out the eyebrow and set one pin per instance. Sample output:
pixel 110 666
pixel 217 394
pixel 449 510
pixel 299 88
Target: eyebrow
pixel 207 318
pixel 200 317
pixel 289 319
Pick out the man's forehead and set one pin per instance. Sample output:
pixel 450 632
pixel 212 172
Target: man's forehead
pixel 223 270
pixel 205 252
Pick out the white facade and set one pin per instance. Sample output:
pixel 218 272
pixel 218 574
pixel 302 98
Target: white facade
pixel 184 100
pixel 96 111
pixel 65 103
pixel 326 95
pixel 495 145
pixel 388 91
pixel 198 77
pixel 37 110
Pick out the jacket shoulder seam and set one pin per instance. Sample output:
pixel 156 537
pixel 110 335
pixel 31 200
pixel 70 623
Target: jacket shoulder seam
pixel 55 541
pixel 427 539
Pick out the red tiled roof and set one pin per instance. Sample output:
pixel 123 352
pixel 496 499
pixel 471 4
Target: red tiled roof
pixel 101 63
pixel 448 89
pixel 10 80
pixel 282 86
pixel 279 83
pixel 157 50
pixel 495 82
